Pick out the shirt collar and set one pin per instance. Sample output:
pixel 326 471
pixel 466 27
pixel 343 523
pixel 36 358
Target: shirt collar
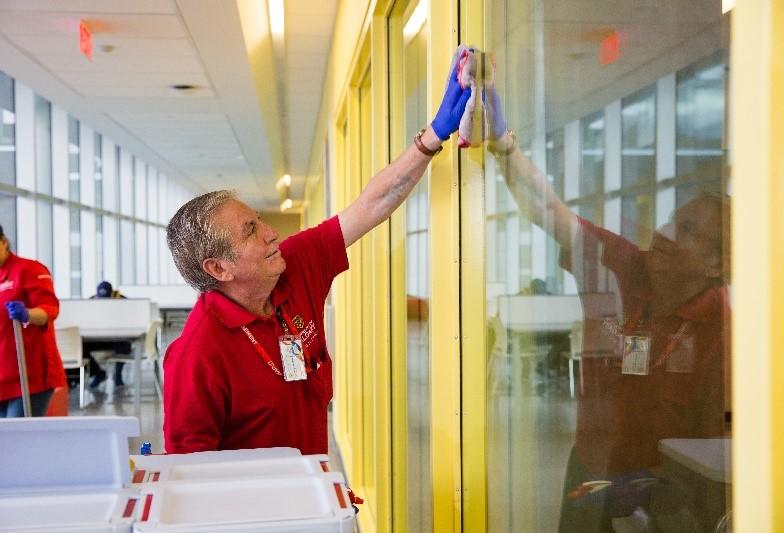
pixel 233 315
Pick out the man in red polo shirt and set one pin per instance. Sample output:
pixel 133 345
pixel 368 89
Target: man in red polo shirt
pixel 27 295
pixel 251 368
pixel 655 338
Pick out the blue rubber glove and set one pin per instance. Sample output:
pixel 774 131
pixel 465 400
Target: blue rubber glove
pixel 452 107
pixel 494 112
pixel 18 311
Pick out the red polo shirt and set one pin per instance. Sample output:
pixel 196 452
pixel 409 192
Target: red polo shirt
pixel 28 281
pixel 219 393
pixel 620 417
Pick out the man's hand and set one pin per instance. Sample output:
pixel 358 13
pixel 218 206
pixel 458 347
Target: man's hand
pixel 18 311
pixel 452 107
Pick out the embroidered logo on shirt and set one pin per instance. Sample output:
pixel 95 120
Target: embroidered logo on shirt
pixel 308 334
pixel 7 285
pixel 298 322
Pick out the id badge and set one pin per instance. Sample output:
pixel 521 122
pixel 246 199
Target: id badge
pixel 636 355
pixel 292 357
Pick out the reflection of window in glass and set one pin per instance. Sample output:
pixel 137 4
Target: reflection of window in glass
pixel 592 154
pixel 98 169
pixel 74 174
pixel 638 149
pixel 76 252
pixel 700 110
pixel 43 146
pixel 554 146
pixel 417 281
pixel 7 131
pixel 8 217
pixel 44 233
pixel 637 218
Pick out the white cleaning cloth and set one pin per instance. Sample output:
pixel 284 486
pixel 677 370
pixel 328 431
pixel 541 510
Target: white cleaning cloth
pixel 472 124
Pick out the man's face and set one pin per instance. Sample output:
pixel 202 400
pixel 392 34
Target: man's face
pixel 688 249
pixel 254 243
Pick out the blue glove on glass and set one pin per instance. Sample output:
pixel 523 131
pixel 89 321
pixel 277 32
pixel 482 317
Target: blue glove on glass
pixel 452 107
pixel 495 113
pixel 18 311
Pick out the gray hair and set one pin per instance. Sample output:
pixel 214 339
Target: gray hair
pixel 192 237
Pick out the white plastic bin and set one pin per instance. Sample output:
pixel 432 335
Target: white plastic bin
pixel 225 465
pixel 306 504
pixel 66 474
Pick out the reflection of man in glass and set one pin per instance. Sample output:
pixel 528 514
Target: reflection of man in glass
pixel 655 338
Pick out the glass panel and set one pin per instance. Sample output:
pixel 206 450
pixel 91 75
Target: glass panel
pixel 43 146
pixel 74 172
pixel 99 269
pixel 45 233
pixel 415 75
pixel 126 253
pixel 76 252
pixel 7 131
pixel 8 217
pixel 607 337
pixel 98 169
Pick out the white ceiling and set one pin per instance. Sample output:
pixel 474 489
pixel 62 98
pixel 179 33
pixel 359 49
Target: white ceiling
pixel 213 137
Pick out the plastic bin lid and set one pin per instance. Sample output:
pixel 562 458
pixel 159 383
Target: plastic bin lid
pixel 708 457
pixel 93 511
pixel 252 503
pixel 65 453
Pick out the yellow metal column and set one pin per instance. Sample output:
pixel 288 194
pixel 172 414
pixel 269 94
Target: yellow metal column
pixel 445 287
pixel 474 363
pixel 382 426
pixel 398 367
pixel 757 78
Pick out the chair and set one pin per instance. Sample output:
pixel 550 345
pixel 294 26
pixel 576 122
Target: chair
pixel 69 342
pixel 151 353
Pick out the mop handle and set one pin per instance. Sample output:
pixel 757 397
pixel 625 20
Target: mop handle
pixel 20 356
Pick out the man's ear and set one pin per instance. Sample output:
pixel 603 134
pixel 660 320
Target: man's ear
pixel 217 268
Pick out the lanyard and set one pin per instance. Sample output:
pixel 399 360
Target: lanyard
pixel 671 346
pixel 288 329
pixel 261 351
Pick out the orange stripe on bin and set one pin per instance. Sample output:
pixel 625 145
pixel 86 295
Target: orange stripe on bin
pixel 341 499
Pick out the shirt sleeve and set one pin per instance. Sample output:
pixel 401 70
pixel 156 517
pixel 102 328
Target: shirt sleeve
pixel 195 400
pixel 597 252
pixel 39 290
pixel 320 252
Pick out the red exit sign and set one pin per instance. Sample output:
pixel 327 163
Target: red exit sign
pixel 85 40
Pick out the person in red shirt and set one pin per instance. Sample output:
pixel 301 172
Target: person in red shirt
pixel 251 367
pixel 655 340
pixel 27 293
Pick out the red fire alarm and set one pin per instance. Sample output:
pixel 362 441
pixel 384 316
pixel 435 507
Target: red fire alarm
pixel 85 40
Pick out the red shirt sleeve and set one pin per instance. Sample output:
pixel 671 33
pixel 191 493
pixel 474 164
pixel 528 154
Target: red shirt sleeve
pixel 321 252
pixel 40 290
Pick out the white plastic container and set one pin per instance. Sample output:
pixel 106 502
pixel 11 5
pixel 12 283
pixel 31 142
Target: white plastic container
pixel 306 504
pixel 225 465
pixel 66 474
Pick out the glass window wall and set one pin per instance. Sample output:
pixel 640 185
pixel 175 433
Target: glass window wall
pixel 7 131
pixel 608 348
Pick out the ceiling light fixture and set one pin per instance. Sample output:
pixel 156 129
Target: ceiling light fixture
pixel 726 6
pixel 284 181
pixel 277 25
pixel 286 204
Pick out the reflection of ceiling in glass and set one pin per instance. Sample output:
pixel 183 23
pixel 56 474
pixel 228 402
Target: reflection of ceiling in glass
pixel 565 38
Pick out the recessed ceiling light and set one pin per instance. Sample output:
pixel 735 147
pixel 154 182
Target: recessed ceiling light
pixel 184 88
